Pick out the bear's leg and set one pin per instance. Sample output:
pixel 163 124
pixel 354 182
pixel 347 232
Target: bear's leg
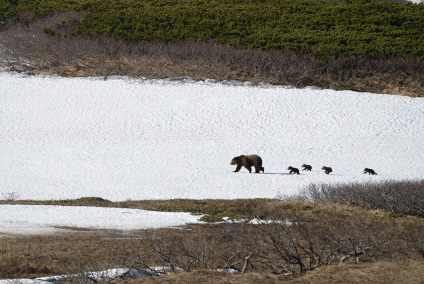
pixel 238 168
pixel 249 168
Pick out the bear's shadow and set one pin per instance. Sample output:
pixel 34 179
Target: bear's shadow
pixel 263 173
pixel 284 174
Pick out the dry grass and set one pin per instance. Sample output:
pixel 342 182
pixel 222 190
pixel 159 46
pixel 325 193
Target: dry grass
pixel 215 209
pixel 202 276
pixel 378 273
pixel 36 256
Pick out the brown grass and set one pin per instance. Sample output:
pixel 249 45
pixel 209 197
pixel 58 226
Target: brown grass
pixel 202 276
pixel 381 272
pixel 378 273
pixel 36 256
pixel 215 209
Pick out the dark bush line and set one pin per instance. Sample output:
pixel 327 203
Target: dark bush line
pixel 319 28
pixel 76 56
pixel 398 197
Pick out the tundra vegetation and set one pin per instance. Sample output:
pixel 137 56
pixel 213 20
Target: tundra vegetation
pixel 363 45
pixel 329 232
pixel 369 232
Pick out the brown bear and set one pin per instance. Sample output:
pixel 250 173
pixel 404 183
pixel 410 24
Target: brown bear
pixel 293 170
pixel 327 170
pixel 369 171
pixel 248 161
pixel 306 167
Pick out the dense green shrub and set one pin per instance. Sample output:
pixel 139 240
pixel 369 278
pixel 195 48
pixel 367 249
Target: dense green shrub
pixel 321 28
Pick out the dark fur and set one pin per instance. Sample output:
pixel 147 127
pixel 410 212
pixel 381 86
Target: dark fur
pixel 369 171
pixel 248 161
pixel 306 167
pixel 293 170
pixel 327 170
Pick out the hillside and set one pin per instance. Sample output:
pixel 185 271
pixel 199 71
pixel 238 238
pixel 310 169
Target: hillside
pixel 111 108
pixel 321 28
pixel 373 46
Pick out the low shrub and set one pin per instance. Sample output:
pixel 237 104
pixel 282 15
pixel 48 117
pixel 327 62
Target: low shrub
pixel 397 197
pixel 198 59
pixel 278 237
pixel 319 28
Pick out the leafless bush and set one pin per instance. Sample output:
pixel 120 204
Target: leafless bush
pixel 286 243
pixel 11 196
pixel 400 197
pixel 188 253
pixel 304 244
pixel 413 234
pixel 229 246
pixel 243 249
pixel 26 46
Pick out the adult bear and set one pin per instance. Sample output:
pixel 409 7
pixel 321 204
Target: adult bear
pixel 248 161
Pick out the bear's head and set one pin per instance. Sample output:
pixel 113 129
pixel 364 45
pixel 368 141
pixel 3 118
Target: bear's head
pixel 235 161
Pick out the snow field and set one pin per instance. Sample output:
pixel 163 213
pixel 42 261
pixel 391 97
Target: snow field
pixel 125 139
pixel 122 139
